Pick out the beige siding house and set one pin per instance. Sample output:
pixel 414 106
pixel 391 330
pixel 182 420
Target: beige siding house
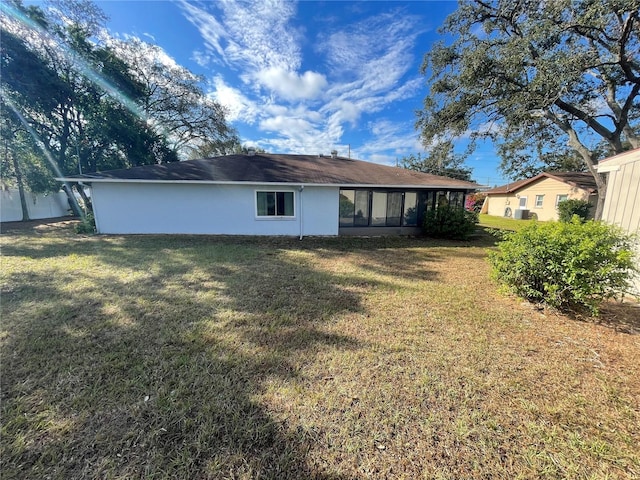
pixel 538 197
pixel 622 201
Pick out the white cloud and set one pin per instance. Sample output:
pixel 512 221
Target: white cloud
pixel 375 50
pixel 366 66
pixel 396 138
pixel 280 124
pixel 255 35
pixel 238 106
pixel 290 85
pixel 211 30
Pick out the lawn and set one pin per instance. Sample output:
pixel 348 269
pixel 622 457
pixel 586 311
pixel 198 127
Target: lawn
pixel 242 358
pixel 502 223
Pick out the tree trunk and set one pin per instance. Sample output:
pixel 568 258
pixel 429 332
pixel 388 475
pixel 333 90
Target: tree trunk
pixel 87 201
pixel 75 208
pixel 589 158
pixel 23 199
pixel 601 183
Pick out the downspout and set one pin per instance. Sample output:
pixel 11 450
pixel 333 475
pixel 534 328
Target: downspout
pixel 300 208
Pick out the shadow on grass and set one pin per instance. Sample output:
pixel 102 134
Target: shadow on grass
pixel 152 363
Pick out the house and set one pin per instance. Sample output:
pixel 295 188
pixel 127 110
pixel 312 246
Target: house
pixel 538 197
pixel 622 200
pixel 268 194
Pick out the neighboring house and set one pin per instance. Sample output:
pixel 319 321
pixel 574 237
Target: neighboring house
pixel 622 200
pixel 39 205
pixel 538 197
pixel 268 194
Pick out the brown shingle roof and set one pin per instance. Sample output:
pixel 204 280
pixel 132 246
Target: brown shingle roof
pixel 581 180
pixel 278 168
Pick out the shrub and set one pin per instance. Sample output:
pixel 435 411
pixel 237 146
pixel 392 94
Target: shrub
pixel 570 265
pixel 87 224
pixel 449 222
pixel 474 202
pixel 568 208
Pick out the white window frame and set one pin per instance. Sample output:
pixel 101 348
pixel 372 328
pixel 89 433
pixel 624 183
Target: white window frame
pixel 275 217
pixel 540 204
pixel 561 195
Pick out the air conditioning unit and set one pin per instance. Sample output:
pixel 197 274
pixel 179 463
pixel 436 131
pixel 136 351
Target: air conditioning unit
pixel 521 214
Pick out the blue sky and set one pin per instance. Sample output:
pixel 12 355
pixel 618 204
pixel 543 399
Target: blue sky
pixel 306 77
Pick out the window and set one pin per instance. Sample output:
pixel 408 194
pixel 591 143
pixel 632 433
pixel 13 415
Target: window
pixel 410 209
pixel 361 218
pixel 354 208
pixel 456 199
pixel 561 198
pixel 274 204
pixel 394 209
pixel 379 209
pixel 442 199
pixel 347 206
pixel 539 200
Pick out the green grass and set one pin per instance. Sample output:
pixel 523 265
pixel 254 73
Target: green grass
pixel 502 223
pixel 204 357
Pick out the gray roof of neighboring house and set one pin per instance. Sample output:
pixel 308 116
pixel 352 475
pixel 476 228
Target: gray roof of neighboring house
pixel 581 180
pixel 277 168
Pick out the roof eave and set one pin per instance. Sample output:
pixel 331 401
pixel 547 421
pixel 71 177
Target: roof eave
pixel 218 182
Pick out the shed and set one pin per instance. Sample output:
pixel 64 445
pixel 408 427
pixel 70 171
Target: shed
pixel 622 200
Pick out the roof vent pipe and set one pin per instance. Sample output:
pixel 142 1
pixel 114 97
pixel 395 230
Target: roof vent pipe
pixel 334 153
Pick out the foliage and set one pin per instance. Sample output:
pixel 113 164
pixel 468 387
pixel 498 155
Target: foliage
pixel 69 91
pixel 534 77
pixel 570 265
pixel 449 222
pixel 88 102
pixel 195 123
pixel 440 161
pixel 568 208
pixel 474 202
pixel 87 225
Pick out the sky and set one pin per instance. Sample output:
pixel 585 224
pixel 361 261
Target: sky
pixel 306 77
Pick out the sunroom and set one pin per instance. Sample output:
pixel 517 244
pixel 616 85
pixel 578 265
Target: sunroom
pixel 377 211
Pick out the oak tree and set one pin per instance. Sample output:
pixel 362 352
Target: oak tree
pixel 536 78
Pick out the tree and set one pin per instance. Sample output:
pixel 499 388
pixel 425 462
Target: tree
pixel 565 160
pixel 536 77
pixel 90 103
pixel 173 100
pixel 68 92
pixel 440 161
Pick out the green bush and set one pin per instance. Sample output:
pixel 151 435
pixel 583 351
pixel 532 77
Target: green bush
pixel 568 208
pixel 572 265
pixel 87 225
pixel 449 222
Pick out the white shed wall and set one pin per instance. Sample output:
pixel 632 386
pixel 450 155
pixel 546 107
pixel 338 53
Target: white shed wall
pixel 622 203
pixel 38 205
pixel 209 209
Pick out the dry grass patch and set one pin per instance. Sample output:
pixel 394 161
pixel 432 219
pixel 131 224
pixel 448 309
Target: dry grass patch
pixel 202 357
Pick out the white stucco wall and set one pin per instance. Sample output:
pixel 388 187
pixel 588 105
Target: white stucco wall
pixel 209 209
pixel 38 205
